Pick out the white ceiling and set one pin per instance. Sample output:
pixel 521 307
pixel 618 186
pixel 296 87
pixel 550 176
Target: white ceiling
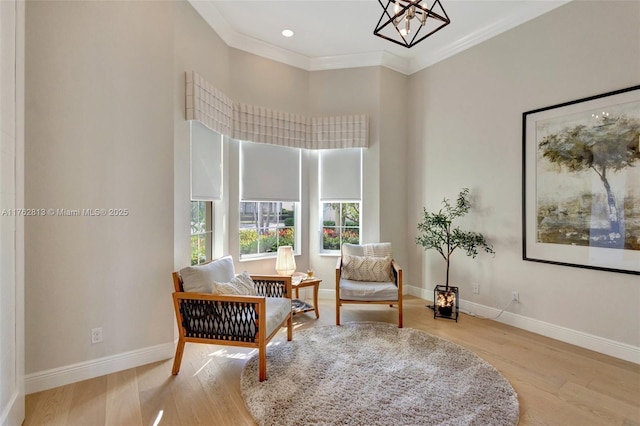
pixel 332 34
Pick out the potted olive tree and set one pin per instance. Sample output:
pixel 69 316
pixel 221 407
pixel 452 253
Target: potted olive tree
pixel 438 232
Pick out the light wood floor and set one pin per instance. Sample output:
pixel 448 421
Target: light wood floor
pixel 557 383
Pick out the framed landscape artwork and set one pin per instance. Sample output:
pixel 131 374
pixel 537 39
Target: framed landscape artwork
pixel 581 182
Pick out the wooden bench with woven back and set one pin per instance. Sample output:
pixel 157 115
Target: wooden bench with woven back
pixel 238 318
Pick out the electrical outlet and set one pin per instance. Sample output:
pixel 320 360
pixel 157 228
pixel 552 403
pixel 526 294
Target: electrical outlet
pixel 476 288
pixel 96 335
pixel 515 296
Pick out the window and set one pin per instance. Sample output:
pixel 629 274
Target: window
pixel 206 186
pixel 206 163
pixel 201 231
pixel 340 179
pixel 269 199
pixel 264 226
pixel 340 224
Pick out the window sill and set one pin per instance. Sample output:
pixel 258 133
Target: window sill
pixel 328 254
pixel 265 257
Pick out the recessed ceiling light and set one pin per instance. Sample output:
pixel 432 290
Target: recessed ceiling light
pixel 287 33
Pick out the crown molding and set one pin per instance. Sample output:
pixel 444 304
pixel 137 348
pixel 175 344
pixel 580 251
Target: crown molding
pixel 359 60
pixel 402 65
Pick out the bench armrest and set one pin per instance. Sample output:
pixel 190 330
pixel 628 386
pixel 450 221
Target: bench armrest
pixel 221 317
pixel 273 285
pixel 397 275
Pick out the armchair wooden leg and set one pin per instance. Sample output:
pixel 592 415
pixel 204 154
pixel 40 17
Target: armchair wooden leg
pixel 337 312
pixel 400 315
pixel 290 328
pixel 178 358
pixel 262 364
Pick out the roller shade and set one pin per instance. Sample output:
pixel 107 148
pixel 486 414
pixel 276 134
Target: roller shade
pixel 206 163
pixel 341 174
pixel 269 172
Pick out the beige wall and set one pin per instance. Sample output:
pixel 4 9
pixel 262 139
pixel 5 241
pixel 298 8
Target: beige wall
pixel 394 138
pixel 466 132
pixel 11 225
pixel 105 128
pixel 99 134
pixel 348 91
pixel 196 48
pixel 258 81
pixel 265 83
pixel 262 82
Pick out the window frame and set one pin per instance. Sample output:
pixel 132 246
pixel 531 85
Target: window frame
pixel 297 209
pixel 343 227
pixel 208 232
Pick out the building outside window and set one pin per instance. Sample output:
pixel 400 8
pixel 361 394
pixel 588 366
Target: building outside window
pixel 265 226
pixel 340 224
pixel 201 231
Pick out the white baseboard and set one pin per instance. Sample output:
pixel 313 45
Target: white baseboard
pixel 13 413
pixel 43 380
pixel 584 340
pixel 326 294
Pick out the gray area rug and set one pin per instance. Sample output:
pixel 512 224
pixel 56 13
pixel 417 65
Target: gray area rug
pixel 370 373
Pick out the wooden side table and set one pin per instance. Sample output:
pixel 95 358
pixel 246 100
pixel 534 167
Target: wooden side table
pixel 299 306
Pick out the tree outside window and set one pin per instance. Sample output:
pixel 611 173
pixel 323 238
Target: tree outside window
pixel 340 224
pixel 265 226
pixel 201 231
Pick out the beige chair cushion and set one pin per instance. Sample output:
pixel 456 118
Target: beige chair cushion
pixel 366 268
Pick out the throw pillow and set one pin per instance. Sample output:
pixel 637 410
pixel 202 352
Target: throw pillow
pixel 353 249
pixel 377 249
pixel 199 278
pixel 366 268
pixel 240 285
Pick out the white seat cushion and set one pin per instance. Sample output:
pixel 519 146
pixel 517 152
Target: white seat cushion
pixel 367 291
pixel 200 278
pixel 277 310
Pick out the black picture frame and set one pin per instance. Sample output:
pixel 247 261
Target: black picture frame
pixel 581 183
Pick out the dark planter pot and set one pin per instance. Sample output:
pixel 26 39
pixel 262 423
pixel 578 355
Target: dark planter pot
pixel 445 302
pixel 445 311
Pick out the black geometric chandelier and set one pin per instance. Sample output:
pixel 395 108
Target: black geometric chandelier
pixel 408 22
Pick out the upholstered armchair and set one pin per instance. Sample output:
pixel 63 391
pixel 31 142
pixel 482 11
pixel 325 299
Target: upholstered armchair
pixel 214 305
pixel 368 274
